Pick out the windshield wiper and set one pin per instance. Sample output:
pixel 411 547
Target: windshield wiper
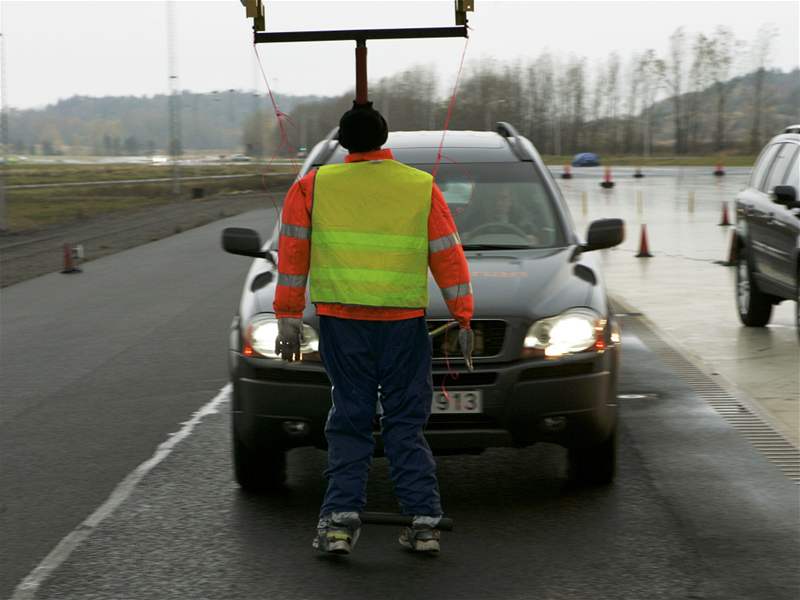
pixel 496 247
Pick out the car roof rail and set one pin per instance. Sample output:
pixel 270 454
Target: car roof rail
pixel 792 129
pixel 512 136
pixel 330 148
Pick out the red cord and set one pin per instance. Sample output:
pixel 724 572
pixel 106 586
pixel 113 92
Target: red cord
pixel 451 374
pixel 280 116
pixel 450 107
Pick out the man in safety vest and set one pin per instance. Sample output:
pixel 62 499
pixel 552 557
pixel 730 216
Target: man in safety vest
pixel 366 232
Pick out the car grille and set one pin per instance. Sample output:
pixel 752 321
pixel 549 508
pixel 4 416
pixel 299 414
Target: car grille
pixel 489 337
pixel 458 379
pixel 443 422
pixel 557 371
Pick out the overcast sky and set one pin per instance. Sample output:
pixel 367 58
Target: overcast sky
pixel 58 49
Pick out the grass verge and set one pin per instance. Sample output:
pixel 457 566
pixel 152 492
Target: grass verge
pixel 33 209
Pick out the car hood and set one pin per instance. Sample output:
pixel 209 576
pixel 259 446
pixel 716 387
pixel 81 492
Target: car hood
pixel 530 284
pixel 520 284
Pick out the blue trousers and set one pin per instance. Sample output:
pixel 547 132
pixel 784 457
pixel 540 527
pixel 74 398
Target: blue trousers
pixel 361 359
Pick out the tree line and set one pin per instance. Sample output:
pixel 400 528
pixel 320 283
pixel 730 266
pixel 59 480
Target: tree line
pixel 710 92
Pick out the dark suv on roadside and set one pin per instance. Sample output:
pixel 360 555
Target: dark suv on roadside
pixel 768 232
pixel 547 341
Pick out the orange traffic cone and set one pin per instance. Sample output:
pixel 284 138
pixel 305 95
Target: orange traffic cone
pixel 719 171
pixel 724 222
pixel 644 247
pixel 607 182
pixel 69 263
pixel 733 251
pixel 567 172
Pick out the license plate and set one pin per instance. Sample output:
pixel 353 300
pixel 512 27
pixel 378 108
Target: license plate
pixel 460 401
pixel 457 401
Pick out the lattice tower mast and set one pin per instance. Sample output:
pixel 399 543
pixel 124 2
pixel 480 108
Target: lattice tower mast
pixel 175 143
pixel 3 121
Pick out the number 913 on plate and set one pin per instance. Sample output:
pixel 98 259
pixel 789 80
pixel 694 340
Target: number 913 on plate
pixel 457 401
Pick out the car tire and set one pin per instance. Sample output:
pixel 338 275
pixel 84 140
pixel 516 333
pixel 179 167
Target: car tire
pixel 594 465
pixel 754 307
pixel 797 305
pixel 258 471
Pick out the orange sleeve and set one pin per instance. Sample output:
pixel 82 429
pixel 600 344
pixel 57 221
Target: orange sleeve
pixel 294 249
pixel 447 261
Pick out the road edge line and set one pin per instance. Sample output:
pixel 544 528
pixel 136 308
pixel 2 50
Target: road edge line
pixel 27 588
pixel 706 368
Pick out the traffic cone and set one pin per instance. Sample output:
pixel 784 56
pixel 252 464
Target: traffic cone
pixel 638 174
pixel 719 171
pixel 733 251
pixel 724 222
pixel 69 264
pixel 567 173
pixel 607 183
pixel 644 248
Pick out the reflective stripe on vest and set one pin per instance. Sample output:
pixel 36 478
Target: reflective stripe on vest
pixel 369 243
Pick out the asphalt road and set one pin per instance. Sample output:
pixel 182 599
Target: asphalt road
pixel 104 365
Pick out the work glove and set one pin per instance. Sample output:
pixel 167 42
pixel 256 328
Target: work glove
pixel 290 337
pixel 466 341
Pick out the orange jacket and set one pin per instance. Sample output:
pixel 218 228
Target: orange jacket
pixel 445 257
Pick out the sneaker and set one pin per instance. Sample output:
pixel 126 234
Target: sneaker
pixel 337 533
pixel 422 536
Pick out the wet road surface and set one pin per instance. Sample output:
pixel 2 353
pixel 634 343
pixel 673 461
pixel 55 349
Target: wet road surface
pixel 695 513
pixel 106 364
pixel 683 290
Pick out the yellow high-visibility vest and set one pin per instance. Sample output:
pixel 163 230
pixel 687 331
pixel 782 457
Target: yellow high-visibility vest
pixel 369 235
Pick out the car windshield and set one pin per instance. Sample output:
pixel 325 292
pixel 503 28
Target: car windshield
pixel 499 205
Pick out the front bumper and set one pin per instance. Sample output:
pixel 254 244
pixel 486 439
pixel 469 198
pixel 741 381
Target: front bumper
pixel 518 398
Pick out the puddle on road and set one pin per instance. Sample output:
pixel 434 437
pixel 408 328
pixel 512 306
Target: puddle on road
pixel 645 396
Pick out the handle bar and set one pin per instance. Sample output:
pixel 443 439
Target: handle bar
pixel 380 518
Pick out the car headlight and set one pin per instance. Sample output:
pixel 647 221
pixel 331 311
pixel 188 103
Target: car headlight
pixel 574 330
pixel 262 331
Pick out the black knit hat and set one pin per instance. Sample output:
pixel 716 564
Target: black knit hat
pixel 362 128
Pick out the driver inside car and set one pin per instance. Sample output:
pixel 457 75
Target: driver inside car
pixel 498 212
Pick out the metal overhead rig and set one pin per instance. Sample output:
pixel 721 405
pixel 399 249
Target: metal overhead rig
pixel 255 10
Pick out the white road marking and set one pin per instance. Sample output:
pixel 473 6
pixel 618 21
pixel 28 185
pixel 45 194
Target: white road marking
pixel 27 589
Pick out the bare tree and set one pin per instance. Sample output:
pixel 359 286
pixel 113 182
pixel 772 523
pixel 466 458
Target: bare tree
pixel 723 45
pixel 674 75
pixel 541 97
pixel 632 101
pixel 573 98
pixel 650 72
pixel 597 107
pixel 612 100
pixel 760 53
pixel 698 81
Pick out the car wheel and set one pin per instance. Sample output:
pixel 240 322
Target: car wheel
pixel 258 471
pixel 594 465
pixel 754 307
pixel 797 306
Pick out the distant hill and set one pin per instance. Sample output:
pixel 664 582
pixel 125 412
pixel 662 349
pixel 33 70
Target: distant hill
pixel 218 121
pixel 138 125
pixel 781 97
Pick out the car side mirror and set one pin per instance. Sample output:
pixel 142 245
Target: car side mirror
pixel 604 233
pixel 239 240
pixel 786 195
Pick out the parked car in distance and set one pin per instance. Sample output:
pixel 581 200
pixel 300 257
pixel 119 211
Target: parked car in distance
pixel 768 232
pixel 586 159
pixel 547 340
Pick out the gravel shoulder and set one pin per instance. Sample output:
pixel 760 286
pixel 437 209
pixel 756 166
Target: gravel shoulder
pixel 30 254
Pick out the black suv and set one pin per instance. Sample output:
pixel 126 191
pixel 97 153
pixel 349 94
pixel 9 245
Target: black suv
pixel 768 232
pixel 547 341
